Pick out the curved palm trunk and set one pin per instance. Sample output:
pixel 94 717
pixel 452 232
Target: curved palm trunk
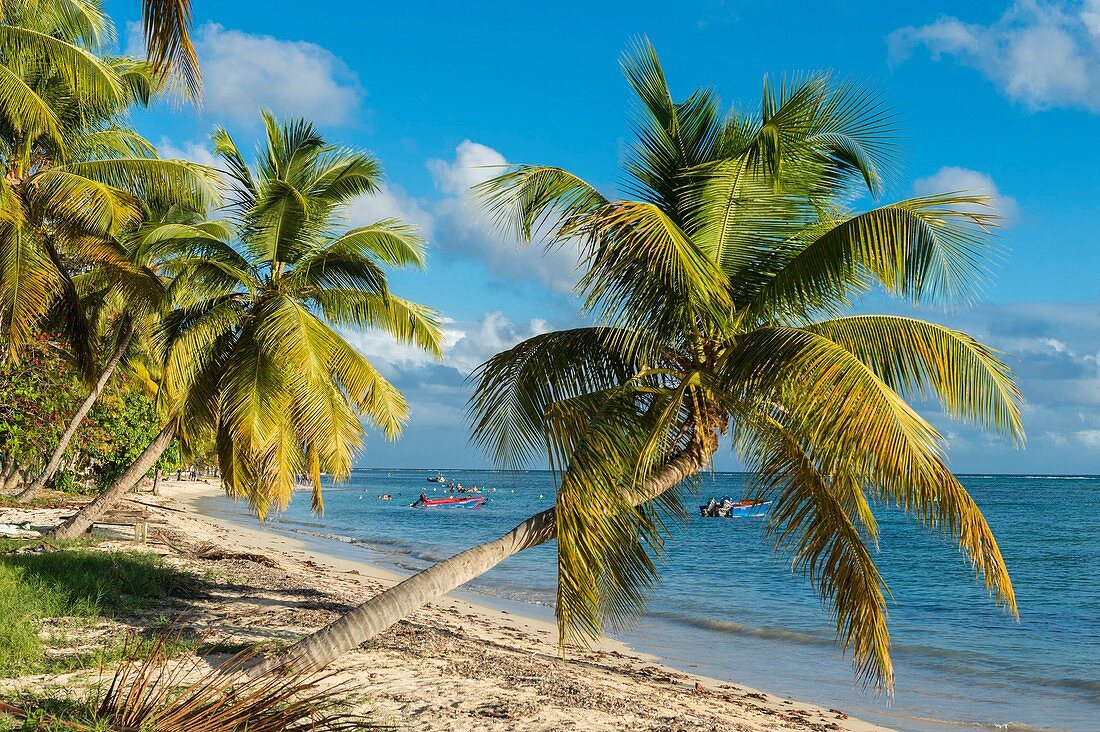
pixel 79 523
pixel 381 611
pixel 74 423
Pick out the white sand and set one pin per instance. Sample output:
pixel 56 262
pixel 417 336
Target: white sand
pixel 454 665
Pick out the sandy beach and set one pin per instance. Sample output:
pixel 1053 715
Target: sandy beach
pixel 455 665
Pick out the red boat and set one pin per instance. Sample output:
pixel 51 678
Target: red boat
pixel 451 502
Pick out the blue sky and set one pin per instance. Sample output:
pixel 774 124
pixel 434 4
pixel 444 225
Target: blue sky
pixel 991 96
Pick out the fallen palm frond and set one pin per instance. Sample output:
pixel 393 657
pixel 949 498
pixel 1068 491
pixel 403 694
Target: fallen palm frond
pixel 213 552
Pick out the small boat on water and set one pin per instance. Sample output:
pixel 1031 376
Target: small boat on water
pixel 437 479
pixel 728 508
pixel 450 502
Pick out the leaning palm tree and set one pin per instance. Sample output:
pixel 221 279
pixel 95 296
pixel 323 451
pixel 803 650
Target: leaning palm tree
pixel 125 304
pixel 718 288
pixel 252 357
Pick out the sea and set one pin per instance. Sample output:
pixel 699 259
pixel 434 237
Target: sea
pixel 729 608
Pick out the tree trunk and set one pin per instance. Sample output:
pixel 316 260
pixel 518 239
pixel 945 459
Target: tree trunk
pixel 381 611
pixel 156 481
pixel 10 477
pixel 74 423
pixel 79 523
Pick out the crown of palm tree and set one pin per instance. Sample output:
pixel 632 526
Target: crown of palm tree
pixel 76 177
pixel 709 286
pixel 252 357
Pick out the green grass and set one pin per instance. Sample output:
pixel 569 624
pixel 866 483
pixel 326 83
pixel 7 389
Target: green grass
pixel 73 583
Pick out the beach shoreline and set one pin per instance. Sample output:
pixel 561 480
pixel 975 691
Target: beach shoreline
pixel 456 664
pixel 740 707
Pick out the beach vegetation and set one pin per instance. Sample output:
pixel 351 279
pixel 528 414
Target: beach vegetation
pixel 260 366
pixel 250 362
pixel 151 691
pixel 45 595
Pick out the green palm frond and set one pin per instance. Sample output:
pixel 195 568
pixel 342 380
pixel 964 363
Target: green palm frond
pixel 158 183
pixel 917 359
pixel 114 142
pixel 933 248
pixel 605 544
pixel 28 283
pixel 91 81
pixel 531 197
pixel 244 190
pixel 389 241
pixel 166 25
pixel 645 272
pixel 87 204
pixel 354 260
pixel 514 390
pixel 826 540
pixel 82 21
pixel 406 321
pixel 854 421
pixel 23 110
pixel 671 137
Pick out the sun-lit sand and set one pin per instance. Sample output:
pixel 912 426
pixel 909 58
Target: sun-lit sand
pixel 452 666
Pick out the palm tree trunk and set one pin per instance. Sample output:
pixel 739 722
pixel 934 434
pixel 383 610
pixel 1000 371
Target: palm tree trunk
pixel 74 423
pixel 372 617
pixel 76 525
pixel 10 479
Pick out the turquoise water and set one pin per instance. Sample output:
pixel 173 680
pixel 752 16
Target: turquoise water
pixel 728 608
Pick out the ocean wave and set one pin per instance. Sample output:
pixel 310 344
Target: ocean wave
pixel 1060 477
pixel 342 538
pixel 733 628
pixel 392 547
pixel 960 724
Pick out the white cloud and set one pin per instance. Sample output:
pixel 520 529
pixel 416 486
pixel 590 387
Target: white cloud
pixel 951 179
pixel 391 202
pixel 196 152
pixel 1089 438
pixel 243 73
pixel 1041 54
pixel 493 334
pixel 464 228
pixel 466 345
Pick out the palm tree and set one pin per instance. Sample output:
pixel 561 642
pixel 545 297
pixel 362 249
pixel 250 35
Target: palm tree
pixel 76 180
pixel 252 358
pixel 75 176
pixel 166 25
pixel 126 303
pixel 709 287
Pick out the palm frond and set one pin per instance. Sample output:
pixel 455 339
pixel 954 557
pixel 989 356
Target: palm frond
pixel 531 197
pixel 166 25
pixel 406 321
pixel 23 110
pixel 158 183
pixel 514 390
pixel 28 283
pixel 821 532
pixel 933 248
pixel 915 357
pixel 93 82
